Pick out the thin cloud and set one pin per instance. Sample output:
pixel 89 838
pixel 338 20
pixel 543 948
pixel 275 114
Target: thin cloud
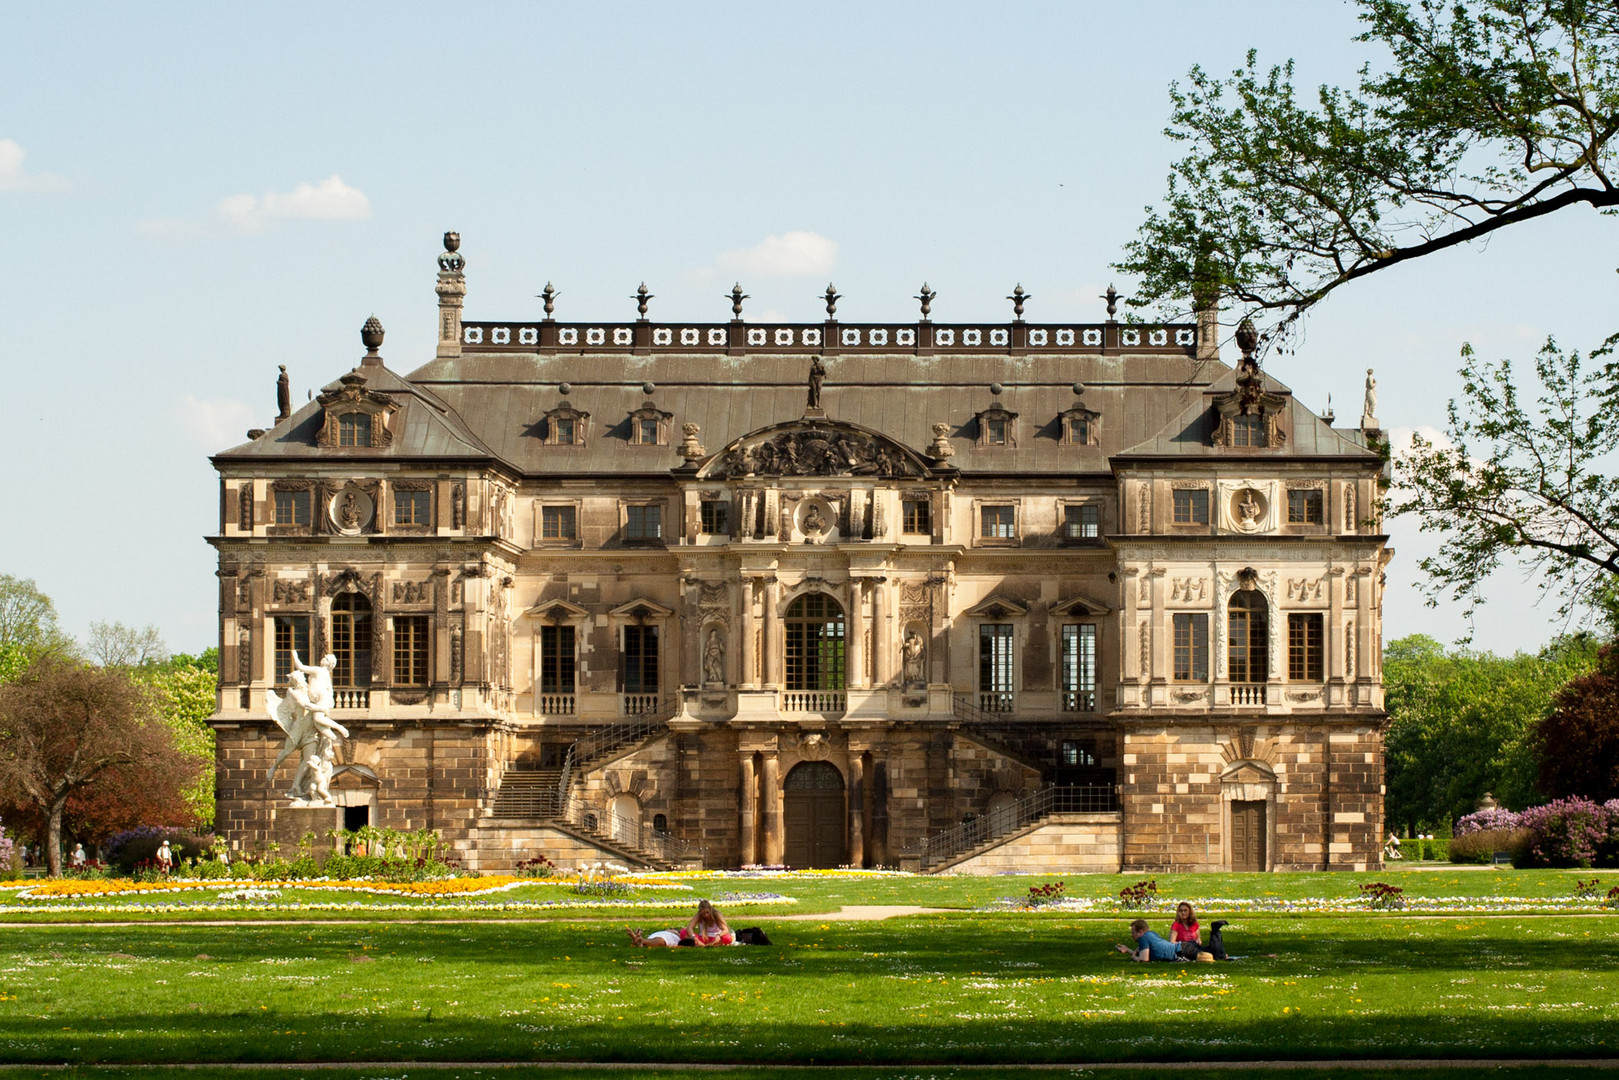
pixel 326 200
pixel 1400 439
pixel 14 175
pixel 792 254
pixel 216 424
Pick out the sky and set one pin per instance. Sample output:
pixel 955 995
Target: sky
pixel 195 193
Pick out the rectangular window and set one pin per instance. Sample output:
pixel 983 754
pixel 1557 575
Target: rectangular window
pixel 556 660
pixel 565 430
pixel 1079 667
pixel 1306 654
pixel 640 659
pixel 354 429
pixel 997 523
pixel 643 522
pixel 1192 506
pixel 413 507
pixel 715 517
pixel 646 432
pixel 917 516
pixel 1304 507
pixel 1191 648
pixel 557 523
pixel 292 508
pixel 1079 430
pixel 995 432
pixel 1247 431
pixel 410 650
pixel 1082 522
pixel 995 667
pixel 291 636
pixel 1248 637
pixel 1076 754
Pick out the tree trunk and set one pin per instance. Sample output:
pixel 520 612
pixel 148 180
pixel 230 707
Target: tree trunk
pixel 53 835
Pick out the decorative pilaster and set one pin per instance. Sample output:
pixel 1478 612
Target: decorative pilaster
pixel 855 677
pixel 857 810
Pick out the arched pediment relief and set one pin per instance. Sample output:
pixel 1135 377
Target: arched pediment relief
pixel 1245 748
pixel 557 611
pixel 815 448
pixel 1079 605
pixel 996 606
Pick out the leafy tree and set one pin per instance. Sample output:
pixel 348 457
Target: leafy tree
pixel 116 645
pixel 28 625
pixel 1578 740
pixel 65 726
pixel 1460 723
pixel 185 695
pixel 1488 114
pixel 1530 480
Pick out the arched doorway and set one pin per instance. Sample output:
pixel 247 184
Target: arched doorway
pixel 1248 637
pixel 1001 812
pixel 625 822
pixel 351 640
pixel 814 816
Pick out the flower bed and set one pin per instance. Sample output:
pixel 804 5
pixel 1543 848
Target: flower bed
pixel 1337 905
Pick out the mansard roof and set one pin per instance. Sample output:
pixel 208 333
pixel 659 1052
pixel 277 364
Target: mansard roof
pixel 425 426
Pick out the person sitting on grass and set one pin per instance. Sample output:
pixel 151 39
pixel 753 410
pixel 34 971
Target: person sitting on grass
pixel 1185 927
pixel 1149 946
pixel 708 927
pixel 657 939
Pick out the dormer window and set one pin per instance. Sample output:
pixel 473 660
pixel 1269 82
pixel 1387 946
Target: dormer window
pixel 649 426
pixel 997 427
pixel 566 426
pixel 1079 426
pixel 354 429
pixel 1248 431
pixel 356 418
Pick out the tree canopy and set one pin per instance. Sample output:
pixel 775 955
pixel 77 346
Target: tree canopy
pixel 1577 742
pixel 1485 115
pixel 1461 723
pixel 116 645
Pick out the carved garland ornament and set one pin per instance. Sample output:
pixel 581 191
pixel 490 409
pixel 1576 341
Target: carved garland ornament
pixel 818 451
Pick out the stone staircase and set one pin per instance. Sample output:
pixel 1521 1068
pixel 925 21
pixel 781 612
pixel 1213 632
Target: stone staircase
pixel 527 793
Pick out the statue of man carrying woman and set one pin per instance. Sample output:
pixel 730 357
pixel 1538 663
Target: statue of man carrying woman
pixel 303 713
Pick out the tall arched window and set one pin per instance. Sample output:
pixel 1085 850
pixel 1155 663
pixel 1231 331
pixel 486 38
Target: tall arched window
pixel 351 640
pixel 1249 640
pixel 815 642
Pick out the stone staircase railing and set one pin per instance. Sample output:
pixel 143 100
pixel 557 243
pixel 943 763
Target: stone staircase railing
pixel 983 830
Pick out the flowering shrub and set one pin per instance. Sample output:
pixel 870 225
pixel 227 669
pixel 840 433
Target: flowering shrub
pixel 1485 820
pixel 1040 895
pixel 1381 896
pixel 601 879
pixel 1567 833
pixel 1613 897
pixel 1139 895
pixel 1586 890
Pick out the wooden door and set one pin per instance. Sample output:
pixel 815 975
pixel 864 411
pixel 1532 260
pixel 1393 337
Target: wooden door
pixel 1248 836
pixel 813 817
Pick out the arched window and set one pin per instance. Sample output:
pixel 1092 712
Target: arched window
pixel 1249 640
pixel 815 642
pixel 351 640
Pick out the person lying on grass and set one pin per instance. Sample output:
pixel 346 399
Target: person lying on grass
pixel 657 939
pixel 1149 946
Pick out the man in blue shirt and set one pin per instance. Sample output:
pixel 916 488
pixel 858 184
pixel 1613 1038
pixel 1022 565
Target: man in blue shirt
pixel 1149 946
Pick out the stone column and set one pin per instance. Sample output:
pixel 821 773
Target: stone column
pixel 856 623
pixel 745 677
pixel 770 805
pixel 857 809
pixel 882 644
pixel 749 807
pixel 770 650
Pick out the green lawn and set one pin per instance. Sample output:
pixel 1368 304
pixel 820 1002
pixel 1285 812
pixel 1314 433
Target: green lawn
pixel 953 988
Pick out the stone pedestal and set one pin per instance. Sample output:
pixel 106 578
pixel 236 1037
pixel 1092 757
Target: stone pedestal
pixel 292 822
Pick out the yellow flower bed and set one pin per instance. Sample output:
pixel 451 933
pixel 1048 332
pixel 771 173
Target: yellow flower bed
pixel 452 887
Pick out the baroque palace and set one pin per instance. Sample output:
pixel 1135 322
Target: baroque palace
pixel 920 594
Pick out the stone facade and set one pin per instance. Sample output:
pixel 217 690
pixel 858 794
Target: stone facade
pixel 919 577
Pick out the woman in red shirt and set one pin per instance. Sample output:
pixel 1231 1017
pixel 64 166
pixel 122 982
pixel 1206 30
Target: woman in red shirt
pixel 1185 927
